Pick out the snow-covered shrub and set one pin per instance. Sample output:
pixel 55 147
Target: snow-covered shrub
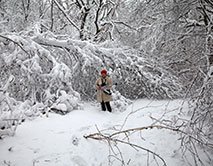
pixel 143 77
pixel 13 113
pixel 67 102
pixel 9 116
pixel 42 71
pixel 137 77
pixel 36 71
pixel 119 103
pixel 33 81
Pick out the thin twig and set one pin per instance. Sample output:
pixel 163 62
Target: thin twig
pixel 18 44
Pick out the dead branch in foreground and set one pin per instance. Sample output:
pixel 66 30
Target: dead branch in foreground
pixel 111 138
pixel 99 136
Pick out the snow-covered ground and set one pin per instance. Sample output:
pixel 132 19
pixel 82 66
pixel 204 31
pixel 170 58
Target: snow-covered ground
pixel 58 140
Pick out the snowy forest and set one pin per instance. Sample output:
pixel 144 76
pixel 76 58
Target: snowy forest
pixel 52 52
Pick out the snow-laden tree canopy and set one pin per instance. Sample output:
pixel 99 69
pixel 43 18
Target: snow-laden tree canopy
pixel 51 53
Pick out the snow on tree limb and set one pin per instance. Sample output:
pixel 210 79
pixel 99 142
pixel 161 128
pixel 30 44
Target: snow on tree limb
pixel 18 44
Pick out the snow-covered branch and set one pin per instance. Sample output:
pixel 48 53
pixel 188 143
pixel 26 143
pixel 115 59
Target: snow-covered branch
pixel 10 40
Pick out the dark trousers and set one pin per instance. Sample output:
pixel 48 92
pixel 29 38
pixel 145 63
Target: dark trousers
pixel 105 105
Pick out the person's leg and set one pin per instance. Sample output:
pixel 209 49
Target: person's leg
pixel 103 106
pixel 108 106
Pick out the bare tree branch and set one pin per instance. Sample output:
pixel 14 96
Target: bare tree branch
pixel 52 18
pixel 18 44
pixel 97 136
pixel 62 10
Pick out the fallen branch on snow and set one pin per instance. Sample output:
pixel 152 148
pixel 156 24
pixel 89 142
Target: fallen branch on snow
pixel 111 138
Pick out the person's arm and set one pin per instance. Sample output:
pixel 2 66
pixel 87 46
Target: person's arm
pixel 96 85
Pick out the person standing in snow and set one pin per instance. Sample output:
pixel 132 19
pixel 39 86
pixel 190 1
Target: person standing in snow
pixel 103 85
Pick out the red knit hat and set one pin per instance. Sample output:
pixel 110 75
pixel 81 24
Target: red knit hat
pixel 103 71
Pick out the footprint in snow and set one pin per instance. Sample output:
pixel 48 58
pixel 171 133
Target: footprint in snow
pixel 75 140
